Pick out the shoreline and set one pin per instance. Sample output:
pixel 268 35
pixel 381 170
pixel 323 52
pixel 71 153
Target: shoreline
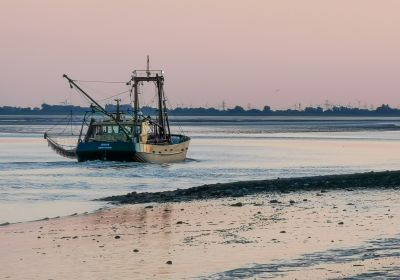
pixel 329 234
pixel 330 226
pixel 348 182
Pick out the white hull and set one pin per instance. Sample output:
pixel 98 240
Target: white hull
pixel 161 153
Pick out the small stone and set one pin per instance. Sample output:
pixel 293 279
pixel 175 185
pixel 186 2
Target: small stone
pixel 149 207
pixel 179 222
pixel 239 204
pixel 282 231
pixel 135 250
pixel 273 201
pixel 305 199
pixel 169 262
pixel 292 201
pixel 340 223
pixel 117 237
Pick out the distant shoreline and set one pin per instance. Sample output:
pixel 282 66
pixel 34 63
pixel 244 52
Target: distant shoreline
pixel 46 109
pixel 367 180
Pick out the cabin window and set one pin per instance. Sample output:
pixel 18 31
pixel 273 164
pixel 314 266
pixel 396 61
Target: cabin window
pixel 115 129
pixel 110 129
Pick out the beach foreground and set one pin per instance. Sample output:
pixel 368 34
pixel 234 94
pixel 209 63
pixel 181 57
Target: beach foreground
pixel 303 235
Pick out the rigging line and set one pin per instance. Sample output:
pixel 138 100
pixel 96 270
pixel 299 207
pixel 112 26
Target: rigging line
pixel 83 97
pixel 57 124
pixel 173 115
pixel 149 103
pixel 95 92
pixel 98 92
pixel 112 96
pixel 103 82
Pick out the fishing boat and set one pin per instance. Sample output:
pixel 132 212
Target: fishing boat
pixel 126 136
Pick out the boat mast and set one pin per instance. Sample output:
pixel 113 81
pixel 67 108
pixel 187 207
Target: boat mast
pixel 135 108
pixel 160 108
pixel 166 119
pixel 163 130
pixel 118 118
pixel 99 107
pixel 148 67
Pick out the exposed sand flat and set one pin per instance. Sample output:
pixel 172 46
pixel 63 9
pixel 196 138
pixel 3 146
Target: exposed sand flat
pixel 303 235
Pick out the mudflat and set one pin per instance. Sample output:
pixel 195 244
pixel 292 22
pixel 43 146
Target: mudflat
pixel 325 234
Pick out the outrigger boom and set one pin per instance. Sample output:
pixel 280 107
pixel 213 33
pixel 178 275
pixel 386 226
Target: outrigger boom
pixel 99 107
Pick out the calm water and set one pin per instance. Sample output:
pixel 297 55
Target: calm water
pixel 36 183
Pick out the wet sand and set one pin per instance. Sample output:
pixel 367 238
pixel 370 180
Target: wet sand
pixel 305 235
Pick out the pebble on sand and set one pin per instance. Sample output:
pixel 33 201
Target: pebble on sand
pixel 238 204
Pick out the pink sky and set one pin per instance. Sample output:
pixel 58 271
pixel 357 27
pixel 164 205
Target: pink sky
pixel 244 52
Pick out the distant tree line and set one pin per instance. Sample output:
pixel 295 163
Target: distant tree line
pixel 46 109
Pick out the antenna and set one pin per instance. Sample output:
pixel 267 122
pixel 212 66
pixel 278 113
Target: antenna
pixel 148 66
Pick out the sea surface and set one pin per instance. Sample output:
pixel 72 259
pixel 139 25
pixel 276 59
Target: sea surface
pixel 36 183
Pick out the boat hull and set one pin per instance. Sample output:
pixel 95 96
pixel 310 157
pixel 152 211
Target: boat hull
pixel 136 152
pixel 112 151
pixel 162 153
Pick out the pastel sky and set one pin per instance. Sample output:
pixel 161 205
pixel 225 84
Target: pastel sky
pixel 253 52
